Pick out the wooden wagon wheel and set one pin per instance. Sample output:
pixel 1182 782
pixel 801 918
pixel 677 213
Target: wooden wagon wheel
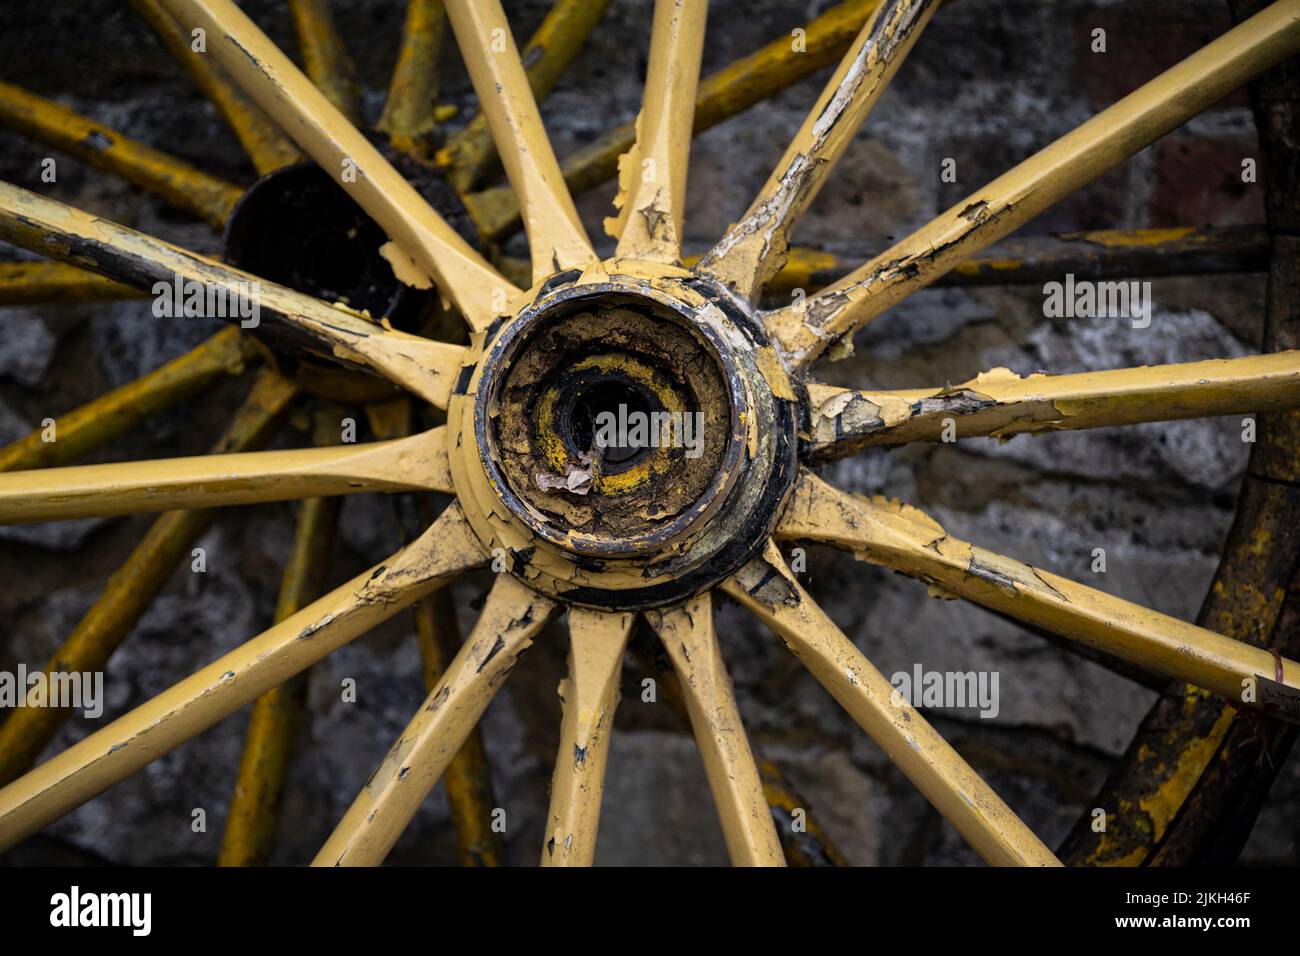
pixel 613 533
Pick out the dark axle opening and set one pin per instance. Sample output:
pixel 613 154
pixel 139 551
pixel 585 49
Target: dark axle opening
pixel 608 396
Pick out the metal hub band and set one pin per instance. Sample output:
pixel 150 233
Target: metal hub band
pixel 646 526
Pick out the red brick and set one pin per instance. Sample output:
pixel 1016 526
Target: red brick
pixel 1140 44
pixel 1198 182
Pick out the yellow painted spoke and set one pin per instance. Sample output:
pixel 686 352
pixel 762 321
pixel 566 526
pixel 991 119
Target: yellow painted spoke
pixel 1035 260
pixel 315 124
pixel 468 777
pixel 806 328
pixel 325 58
pixel 688 637
pixel 556 237
pixel 904 539
pixel 558 39
pixel 265 145
pixel 753 249
pixel 408 116
pixel 723 94
pixel 57 283
pixel 651 199
pixel 812 847
pixel 589 693
pixel 418 463
pixel 511 618
pixel 51 228
pixel 28 730
pixel 188 708
pixel 1000 403
pixel 179 183
pixel 249 836
pixel 769 590
pixel 83 429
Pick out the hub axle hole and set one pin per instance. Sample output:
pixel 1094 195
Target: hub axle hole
pixel 599 405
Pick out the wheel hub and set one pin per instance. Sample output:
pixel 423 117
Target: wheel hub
pixel 296 226
pixel 623 438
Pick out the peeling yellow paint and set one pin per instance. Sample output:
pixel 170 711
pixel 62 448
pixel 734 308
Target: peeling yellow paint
pixel 902 538
pixel 805 329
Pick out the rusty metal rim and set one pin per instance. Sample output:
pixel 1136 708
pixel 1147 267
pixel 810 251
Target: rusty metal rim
pixel 1124 785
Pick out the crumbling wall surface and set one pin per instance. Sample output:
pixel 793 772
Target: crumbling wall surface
pixel 988 82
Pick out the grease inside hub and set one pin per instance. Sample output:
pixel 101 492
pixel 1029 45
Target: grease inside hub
pixel 630 520
pixel 589 406
pixel 613 422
